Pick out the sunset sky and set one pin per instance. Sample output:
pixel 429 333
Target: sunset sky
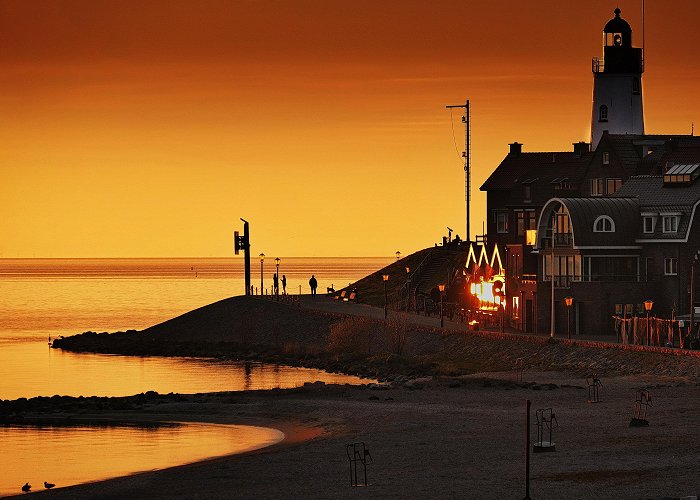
pixel 132 128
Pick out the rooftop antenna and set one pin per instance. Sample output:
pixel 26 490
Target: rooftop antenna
pixel 466 154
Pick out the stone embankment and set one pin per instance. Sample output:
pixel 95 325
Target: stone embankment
pixel 249 328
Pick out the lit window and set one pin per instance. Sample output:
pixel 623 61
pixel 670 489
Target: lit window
pixel 613 185
pixel 670 266
pixel 603 224
pixel 597 187
pixel 603 113
pixel 606 158
pixel 670 223
pixel 502 222
pixel 649 224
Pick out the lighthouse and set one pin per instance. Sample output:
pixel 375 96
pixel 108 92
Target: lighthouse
pixel 617 83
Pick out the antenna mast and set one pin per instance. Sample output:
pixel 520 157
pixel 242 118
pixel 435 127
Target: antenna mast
pixel 466 154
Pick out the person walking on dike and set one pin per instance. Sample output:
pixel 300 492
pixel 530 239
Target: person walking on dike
pixel 313 284
pixel 284 285
pixel 275 284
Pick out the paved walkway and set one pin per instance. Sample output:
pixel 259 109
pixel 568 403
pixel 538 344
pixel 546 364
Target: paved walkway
pixel 325 303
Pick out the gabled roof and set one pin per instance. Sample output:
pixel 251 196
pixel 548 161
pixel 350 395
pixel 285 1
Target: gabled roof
pixel 656 198
pixel 516 168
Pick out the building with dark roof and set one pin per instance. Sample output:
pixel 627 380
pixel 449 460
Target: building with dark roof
pixel 613 253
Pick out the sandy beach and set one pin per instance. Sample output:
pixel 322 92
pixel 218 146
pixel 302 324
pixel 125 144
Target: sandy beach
pixel 431 434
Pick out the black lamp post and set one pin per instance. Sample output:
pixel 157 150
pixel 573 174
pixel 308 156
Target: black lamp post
pixel 441 287
pixel 568 301
pixel 277 288
pixel 262 259
pixel 385 278
pixel 648 304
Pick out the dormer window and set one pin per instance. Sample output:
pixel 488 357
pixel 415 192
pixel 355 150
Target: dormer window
pixel 604 224
pixel 606 158
pixel 603 113
pixel 649 224
pixel 670 223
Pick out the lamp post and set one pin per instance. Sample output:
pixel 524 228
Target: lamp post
pixel 277 287
pixel 262 259
pixel 568 301
pixel 441 287
pixel 385 278
pixel 648 304
pixel 408 288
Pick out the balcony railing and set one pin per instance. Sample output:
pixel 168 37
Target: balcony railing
pixel 560 240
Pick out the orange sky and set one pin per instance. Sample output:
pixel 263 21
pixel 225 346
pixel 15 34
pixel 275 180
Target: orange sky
pixel 135 128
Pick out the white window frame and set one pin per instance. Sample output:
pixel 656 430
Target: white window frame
pixel 670 223
pixel 614 181
pixel 596 183
pixel 670 266
pixel 649 218
pixel 602 219
pixel 502 222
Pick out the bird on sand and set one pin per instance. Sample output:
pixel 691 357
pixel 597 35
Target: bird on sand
pixel 48 486
pixel 27 487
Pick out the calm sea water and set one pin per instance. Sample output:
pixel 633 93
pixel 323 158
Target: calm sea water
pixel 42 298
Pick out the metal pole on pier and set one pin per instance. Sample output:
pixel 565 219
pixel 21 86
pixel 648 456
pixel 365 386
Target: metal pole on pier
pixel 466 154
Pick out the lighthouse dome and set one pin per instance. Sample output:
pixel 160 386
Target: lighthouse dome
pixel 617 24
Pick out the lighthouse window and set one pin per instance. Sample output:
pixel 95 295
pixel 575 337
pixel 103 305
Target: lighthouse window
pixel 635 86
pixel 603 114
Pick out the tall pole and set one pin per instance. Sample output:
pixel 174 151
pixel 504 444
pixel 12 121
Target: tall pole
pixel 385 301
pixel 467 161
pixel 568 322
pixel 527 450
pixel 692 293
pixel 246 254
pixel 551 326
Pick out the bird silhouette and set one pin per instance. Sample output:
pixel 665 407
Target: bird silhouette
pixel 27 487
pixel 48 486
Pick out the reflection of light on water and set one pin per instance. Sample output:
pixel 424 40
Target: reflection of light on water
pixel 46 372
pixel 72 455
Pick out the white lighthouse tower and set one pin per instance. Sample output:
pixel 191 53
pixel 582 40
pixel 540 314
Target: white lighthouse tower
pixel 617 83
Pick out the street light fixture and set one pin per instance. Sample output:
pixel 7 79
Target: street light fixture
pixel 277 286
pixel 568 301
pixel 385 278
pixel 262 259
pixel 648 304
pixel 441 287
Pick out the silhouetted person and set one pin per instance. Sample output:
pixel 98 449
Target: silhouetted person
pixel 284 284
pixel 27 487
pixel 275 284
pixel 313 284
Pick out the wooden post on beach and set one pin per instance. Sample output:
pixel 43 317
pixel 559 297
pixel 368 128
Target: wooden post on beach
pixel 527 449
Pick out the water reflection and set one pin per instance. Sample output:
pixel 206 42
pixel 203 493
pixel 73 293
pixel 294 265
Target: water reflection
pixel 77 454
pixel 46 372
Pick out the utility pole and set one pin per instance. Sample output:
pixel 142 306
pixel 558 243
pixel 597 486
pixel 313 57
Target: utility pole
pixel 466 154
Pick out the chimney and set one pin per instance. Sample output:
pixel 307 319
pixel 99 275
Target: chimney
pixel 581 148
pixel 515 149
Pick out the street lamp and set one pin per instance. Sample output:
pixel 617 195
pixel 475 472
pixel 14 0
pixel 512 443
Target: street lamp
pixel 648 304
pixel 408 288
pixel 277 286
pixel 568 301
pixel 441 287
pixel 500 296
pixel 385 278
pixel 262 259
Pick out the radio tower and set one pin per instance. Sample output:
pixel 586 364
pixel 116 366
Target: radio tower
pixel 466 154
